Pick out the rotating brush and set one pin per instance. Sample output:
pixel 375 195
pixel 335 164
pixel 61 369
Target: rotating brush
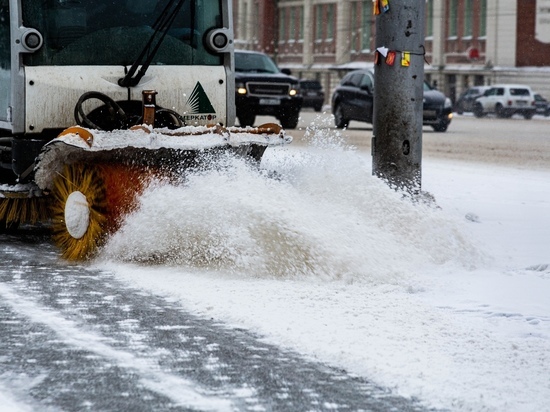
pixel 18 210
pixel 89 202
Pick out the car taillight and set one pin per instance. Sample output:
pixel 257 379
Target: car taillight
pixel 509 102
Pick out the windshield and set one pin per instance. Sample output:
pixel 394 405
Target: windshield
pixel 114 32
pixel 310 85
pixel 254 62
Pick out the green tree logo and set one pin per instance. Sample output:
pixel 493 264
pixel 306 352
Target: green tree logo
pixel 199 102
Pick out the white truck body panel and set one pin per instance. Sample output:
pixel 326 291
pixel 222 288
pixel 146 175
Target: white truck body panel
pixel 198 93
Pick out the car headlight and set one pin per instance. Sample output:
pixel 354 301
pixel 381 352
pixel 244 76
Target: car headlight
pixel 293 92
pixel 448 104
pixel 240 88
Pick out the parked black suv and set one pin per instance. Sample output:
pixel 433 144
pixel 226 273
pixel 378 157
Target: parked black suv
pixel 353 99
pixel 261 88
pixel 313 94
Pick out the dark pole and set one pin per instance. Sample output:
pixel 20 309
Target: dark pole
pixel 397 141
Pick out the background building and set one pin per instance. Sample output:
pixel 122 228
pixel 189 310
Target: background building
pixel 467 42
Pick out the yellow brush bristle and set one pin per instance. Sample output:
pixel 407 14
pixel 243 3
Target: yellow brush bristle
pixel 86 180
pixel 16 211
pixel 111 191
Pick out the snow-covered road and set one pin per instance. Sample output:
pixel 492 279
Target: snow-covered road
pixel 74 338
pixel 448 304
pixel 444 302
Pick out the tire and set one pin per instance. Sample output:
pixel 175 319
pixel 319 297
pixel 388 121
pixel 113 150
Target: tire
pixel 478 110
pixel 528 115
pixel 290 120
pixel 318 108
pixel 499 110
pixel 441 127
pixel 246 119
pixel 339 120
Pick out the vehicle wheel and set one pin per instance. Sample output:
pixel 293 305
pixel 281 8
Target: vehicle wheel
pixel 528 115
pixel 318 108
pixel 246 119
pixel 499 110
pixel 478 110
pixel 290 120
pixel 339 120
pixel 440 127
pixel 459 109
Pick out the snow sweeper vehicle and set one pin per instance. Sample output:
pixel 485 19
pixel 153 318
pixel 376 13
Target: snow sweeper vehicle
pixel 98 96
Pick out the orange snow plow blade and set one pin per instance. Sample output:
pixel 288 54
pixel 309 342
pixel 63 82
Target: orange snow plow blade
pixel 94 177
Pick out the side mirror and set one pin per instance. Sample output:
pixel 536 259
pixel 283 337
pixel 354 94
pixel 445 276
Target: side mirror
pixel 286 71
pixel 367 88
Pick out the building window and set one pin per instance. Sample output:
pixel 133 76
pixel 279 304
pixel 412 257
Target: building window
pixel 361 26
pixel 453 17
pixel 292 29
pixel 318 23
pixel 282 25
pixel 255 17
pixel 296 24
pixel 301 36
pixel 244 31
pixel 325 19
pixel 468 17
pixel 483 19
pixel 354 26
pixel 366 25
pixel 330 20
pixel 429 18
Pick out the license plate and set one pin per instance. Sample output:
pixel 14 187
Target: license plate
pixel 270 102
pixel 312 94
pixel 521 102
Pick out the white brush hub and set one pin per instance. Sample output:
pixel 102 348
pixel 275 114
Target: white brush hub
pixel 77 214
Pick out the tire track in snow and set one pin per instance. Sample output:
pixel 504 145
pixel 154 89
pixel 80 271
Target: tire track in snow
pixel 96 344
pixel 69 334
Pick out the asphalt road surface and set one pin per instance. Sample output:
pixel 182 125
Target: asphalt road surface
pixel 514 142
pixel 75 339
